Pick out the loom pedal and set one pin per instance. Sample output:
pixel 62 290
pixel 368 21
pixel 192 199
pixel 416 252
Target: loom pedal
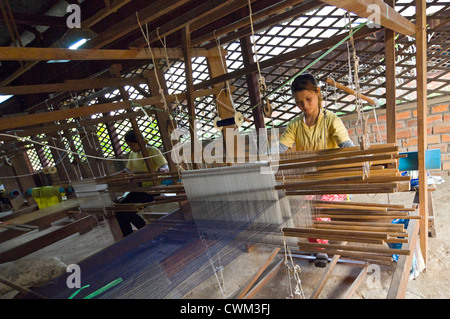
pixel 321 260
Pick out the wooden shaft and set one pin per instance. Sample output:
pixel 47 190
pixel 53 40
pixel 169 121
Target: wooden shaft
pixel 335 211
pixel 385 150
pixel 338 238
pixel 359 204
pixel 358 228
pixel 348 90
pixel 397 227
pixel 344 161
pixel 362 234
pixel 367 217
pixel 388 251
pixel 352 254
pixel 342 191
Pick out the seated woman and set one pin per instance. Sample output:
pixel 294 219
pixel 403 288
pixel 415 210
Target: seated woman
pixel 314 129
pixel 136 164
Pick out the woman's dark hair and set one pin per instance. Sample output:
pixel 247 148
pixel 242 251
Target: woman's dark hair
pixel 306 82
pixel 130 136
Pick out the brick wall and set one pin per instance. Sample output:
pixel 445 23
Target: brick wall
pixel 438 128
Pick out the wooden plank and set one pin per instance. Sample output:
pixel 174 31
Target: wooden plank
pixel 326 275
pixel 46 240
pixel 252 83
pixel 264 280
pixel 151 12
pixel 187 47
pixel 358 280
pixel 6 123
pixel 389 18
pixel 47 54
pixel 166 124
pixel 70 85
pixel 244 291
pixel 422 109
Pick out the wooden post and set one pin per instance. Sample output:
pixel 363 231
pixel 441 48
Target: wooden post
pixel 421 67
pixel 389 52
pixel 252 83
pixel 165 123
pixel 186 35
pixel 217 66
pixel 115 70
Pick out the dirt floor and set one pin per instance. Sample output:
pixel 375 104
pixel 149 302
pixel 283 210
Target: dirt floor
pixel 433 283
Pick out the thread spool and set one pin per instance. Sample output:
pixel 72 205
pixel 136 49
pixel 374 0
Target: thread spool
pixel 237 120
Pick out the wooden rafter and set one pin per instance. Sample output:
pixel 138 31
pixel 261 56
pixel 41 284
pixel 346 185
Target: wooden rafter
pixel 48 54
pixel 33 119
pixel 389 18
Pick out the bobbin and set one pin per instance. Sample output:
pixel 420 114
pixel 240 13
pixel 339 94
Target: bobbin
pixel 237 120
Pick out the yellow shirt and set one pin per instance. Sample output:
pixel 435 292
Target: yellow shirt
pixel 138 166
pixel 328 132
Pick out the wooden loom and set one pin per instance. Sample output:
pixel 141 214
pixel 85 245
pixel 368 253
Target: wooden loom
pixel 358 231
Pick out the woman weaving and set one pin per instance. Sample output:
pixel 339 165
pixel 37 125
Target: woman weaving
pixel 136 164
pixel 314 129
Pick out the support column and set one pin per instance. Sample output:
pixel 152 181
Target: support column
pixel 115 70
pixel 165 123
pixel 186 35
pixel 421 67
pixel 391 105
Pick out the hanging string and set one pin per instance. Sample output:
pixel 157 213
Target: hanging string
pixel 358 104
pixel 160 89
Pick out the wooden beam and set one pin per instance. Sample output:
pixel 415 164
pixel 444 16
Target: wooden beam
pixel 186 35
pixel 389 18
pixel 47 54
pixel 115 70
pixel 421 67
pixel 165 123
pixel 65 126
pixel 70 85
pixel 252 83
pixel 35 20
pixel 390 74
pixel 86 24
pixel 244 291
pixel 6 123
